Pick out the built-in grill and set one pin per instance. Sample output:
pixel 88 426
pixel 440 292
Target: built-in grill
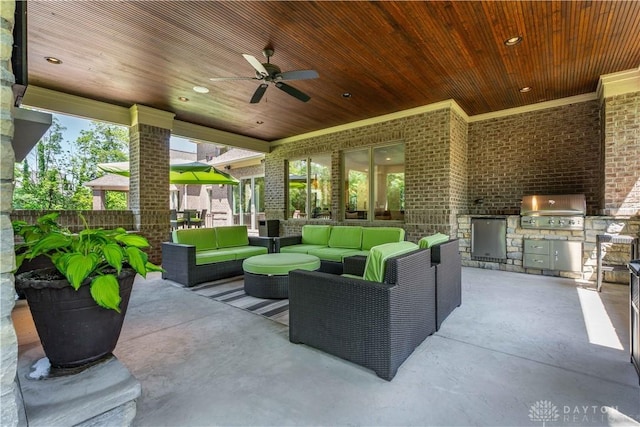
pixel 556 212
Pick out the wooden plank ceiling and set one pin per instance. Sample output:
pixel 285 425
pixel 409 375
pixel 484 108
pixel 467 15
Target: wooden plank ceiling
pixel 390 56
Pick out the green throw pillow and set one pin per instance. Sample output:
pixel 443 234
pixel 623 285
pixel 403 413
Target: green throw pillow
pixel 374 236
pixel 202 238
pixel 434 239
pixel 345 237
pixel 232 235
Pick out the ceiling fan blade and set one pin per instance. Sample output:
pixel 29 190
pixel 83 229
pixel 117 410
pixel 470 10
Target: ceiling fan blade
pixel 298 75
pixel 293 91
pixel 256 64
pixel 224 79
pixel 257 95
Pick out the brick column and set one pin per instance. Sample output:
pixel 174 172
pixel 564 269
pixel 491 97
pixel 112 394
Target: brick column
pixel 620 112
pixel 149 181
pixel 8 340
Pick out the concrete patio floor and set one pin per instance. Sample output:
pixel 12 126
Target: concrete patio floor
pixel 518 344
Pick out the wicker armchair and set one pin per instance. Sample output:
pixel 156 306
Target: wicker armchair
pixel 446 259
pixel 375 325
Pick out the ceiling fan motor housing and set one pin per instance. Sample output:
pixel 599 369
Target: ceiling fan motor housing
pixel 272 69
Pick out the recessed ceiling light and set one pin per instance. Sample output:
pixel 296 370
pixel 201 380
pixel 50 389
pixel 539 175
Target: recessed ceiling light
pixel 346 95
pixel 183 98
pixel 260 122
pixel 388 158
pixel 525 89
pixel 52 60
pixel 512 41
pixel 200 89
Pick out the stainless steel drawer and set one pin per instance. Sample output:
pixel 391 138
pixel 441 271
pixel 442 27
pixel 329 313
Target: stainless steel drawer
pixel 537 261
pixel 536 247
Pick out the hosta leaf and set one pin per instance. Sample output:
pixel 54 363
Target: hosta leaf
pixel 78 268
pixel 50 243
pixel 152 267
pixel 137 260
pixel 106 292
pixel 114 255
pixel 133 240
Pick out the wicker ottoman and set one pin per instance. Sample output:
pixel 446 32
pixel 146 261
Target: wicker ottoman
pixel 267 276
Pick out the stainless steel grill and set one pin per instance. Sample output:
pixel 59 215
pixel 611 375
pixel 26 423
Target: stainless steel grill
pixel 553 212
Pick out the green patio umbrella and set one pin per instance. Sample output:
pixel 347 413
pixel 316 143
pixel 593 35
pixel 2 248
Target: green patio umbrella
pixel 181 173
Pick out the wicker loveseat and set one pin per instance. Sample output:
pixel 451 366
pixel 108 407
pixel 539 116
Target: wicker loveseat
pixel 375 324
pixel 199 255
pixel 333 243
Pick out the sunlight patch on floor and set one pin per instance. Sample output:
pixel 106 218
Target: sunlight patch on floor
pixel 599 327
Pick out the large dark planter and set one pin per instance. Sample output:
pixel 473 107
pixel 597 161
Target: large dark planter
pixel 73 329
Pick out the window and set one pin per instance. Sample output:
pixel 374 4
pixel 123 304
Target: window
pixel 385 187
pixel 310 187
pixel 248 202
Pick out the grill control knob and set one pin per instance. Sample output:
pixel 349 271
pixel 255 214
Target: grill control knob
pixel 572 222
pixel 532 221
pixel 552 221
pixel 562 222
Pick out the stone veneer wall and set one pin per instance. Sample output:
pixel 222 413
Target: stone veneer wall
pixel 621 146
pixel 594 225
pixel 149 185
pixel 9 409
pixel 551 151
pixel 432 140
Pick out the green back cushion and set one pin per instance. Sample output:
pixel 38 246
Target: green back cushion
pixel 374 236
pixel 316 234
pixel 376 264
pixel 434 239
pixel 345 237
pixel 235 235
pixel 202 238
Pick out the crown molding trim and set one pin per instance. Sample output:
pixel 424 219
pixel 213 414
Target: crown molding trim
pixel 60 102
pixel 372 121
pixel 618 83
pixel 203 133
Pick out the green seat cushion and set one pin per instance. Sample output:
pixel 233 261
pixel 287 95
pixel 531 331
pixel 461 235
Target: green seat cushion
pixel 374 236
pixel 280 264
pixel 316 234
pixel 214 255
pixel 355 253
pixel 345 237
pixel 243 252
pixel 376 264
pixel 434 239
pixel 333 254
pixel 300 249
pixel 234 235
pixel 202 238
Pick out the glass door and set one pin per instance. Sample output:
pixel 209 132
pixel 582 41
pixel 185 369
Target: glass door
pixel 248 202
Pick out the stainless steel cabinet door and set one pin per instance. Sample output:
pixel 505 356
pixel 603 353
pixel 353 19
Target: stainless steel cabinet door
pixel 489 238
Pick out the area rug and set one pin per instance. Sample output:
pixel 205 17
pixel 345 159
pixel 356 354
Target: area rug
pixel 231 291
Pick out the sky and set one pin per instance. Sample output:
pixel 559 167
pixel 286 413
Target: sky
pixel 74 125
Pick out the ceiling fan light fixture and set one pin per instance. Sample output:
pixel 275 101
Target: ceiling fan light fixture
pixel 200 89
pixel 525 89
pixel 53 60
pixel 512 41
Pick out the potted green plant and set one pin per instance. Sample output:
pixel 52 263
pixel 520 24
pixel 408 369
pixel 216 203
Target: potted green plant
pixel 78 306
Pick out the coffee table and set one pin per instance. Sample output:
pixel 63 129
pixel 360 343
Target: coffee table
pixel 267 276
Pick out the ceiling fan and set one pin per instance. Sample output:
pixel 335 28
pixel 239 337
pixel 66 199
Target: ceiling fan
pixel 271 73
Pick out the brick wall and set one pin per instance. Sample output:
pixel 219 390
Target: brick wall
pixel 72 220
pixel 429 174
pixel 9 409
pixel 621 163
pixel 149 185
pixel 550 151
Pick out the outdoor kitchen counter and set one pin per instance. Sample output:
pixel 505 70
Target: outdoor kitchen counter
pixel 593 225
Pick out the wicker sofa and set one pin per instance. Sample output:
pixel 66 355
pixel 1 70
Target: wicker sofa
pixel 373 324
pixel 199 255
pixel 333 243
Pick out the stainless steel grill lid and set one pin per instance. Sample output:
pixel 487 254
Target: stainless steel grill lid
pixel 554 205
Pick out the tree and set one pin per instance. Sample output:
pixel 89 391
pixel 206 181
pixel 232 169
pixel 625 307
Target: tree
pixel 59 178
